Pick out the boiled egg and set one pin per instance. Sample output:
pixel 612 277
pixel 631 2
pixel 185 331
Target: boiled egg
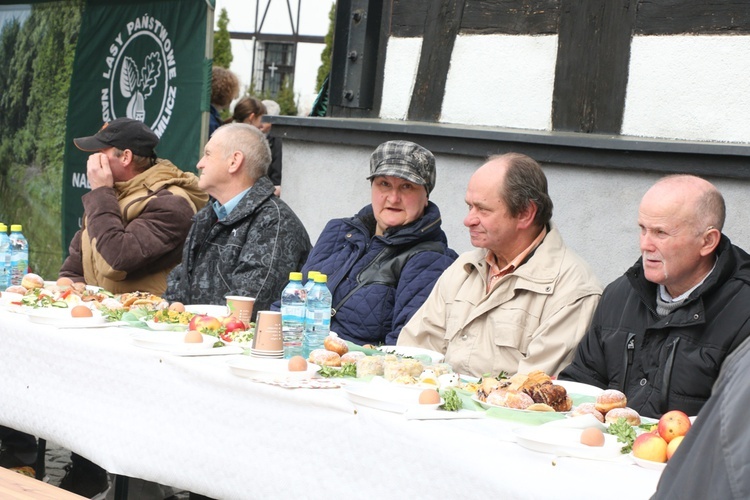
pixel 81 312
pixel 297 364
pixel 193 337
pixel 177 307
pixel 429 397
pixel 592 437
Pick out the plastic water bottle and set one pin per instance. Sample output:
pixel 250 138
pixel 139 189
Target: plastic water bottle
pixel 293 315
pixel 4 257
pixel 318 317
pixel 19 255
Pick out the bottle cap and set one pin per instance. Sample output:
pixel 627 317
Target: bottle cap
pixel 321 278
pixel 15 228
pixel 312 274
pixel 295 276
pixel 3 228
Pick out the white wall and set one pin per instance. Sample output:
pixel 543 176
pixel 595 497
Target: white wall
pixel 689 87
pixel 596 210
pixel 679 87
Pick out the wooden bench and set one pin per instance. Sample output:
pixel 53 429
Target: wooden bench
pixel 15 486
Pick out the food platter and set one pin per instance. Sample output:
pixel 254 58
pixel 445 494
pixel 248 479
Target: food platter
pixel 435 356
pixel 563 441
pixel 171 342
pixel 61 318
pixel 274 369
pixel 382 397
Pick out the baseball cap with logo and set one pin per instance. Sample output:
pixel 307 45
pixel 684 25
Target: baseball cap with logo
pixel 121 133
pixel 406 160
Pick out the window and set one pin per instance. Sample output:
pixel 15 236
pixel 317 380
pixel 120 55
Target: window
pixel 274 66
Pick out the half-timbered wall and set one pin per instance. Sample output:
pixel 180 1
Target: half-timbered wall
pixel 655 68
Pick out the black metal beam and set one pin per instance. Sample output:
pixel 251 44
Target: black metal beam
pixel 559 148
pixel 270 37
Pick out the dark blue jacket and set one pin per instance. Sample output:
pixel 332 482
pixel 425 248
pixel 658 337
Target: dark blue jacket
pixel 391 290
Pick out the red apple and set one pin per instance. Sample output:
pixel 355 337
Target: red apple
pixel 201 322
pixel 672 424
pixel 650 447
pixel 232 324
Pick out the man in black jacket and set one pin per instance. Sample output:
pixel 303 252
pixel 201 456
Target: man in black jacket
pixel 662 331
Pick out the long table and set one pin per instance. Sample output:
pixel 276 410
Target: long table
pixel 190 423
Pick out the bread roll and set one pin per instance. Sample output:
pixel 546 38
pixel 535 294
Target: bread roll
pixel 629 414
pixel 352 357
pixel 16 289
pixel 587 409
pixel 323 357
pixel 610 399
pixel 334 344
pixel 31 281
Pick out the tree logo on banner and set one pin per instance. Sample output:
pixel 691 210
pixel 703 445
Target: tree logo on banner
pixel 139 70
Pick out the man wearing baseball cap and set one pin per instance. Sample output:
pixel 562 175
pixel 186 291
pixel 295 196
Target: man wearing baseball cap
pixel 382 263
pixel 137 215
pixel 522 300
pixel 135 221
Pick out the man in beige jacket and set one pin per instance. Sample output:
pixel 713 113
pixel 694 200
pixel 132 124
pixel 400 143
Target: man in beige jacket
pixel 520 302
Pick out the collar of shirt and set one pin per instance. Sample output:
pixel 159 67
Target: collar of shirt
pixel 668 298
pixel 493 270
pixel 223 211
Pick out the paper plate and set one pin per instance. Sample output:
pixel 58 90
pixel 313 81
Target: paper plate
pixel 171 341
pixel 566 442
pixel 60 317
pixel 273 369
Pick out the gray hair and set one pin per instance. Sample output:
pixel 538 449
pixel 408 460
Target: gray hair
pixel 251 143
pixel 272 107
pixel 525 183
pixel 712 209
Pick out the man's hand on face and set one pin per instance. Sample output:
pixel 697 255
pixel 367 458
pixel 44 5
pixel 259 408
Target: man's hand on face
pixel 98 171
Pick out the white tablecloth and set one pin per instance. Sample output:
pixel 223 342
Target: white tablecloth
pixel 189 422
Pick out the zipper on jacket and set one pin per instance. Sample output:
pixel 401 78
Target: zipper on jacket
pixel 667 378
pixel 629 354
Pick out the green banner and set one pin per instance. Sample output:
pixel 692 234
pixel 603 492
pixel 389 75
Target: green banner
pixel 142 60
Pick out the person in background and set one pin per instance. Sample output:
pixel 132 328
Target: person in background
pixel 711 461
pixel 248 110
pixel 663 329
pixel 225 87
pixel 247 241
pixel 274 171
pixel 382 263
pixel 523 299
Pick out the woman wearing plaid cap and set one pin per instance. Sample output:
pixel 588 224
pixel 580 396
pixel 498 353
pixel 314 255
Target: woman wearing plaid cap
pixel 383 262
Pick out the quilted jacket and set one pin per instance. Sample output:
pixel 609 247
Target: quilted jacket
pixel 250 253
pixel 351 256
pixel 667 363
